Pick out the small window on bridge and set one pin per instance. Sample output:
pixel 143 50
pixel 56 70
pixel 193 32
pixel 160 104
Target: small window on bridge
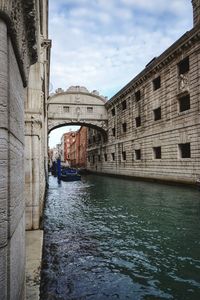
pixel 105 157
pixel 90 109
pixel 99 157
pixel 66 108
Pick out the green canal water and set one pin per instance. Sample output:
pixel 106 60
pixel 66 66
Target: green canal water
pixel 109 238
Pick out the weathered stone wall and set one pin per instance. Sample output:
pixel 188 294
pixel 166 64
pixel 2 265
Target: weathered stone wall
pixel 17 52
pixel 173 127
pixel 12 208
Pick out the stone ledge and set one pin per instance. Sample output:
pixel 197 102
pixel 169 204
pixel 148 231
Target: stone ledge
pixel 34 244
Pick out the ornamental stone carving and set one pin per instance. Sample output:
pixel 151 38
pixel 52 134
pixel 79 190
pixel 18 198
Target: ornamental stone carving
pixel 183 82
pixel 20 17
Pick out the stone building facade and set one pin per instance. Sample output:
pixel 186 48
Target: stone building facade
pixel 154 121
pixel 18 51
pixel 36 151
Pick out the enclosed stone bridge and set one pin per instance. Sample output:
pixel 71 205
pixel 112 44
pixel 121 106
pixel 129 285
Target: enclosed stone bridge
pixel 77 106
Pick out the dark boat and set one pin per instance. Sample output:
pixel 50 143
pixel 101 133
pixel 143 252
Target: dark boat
pixel 70 175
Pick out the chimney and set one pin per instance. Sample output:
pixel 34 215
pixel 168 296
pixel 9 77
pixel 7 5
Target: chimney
pixel 196 12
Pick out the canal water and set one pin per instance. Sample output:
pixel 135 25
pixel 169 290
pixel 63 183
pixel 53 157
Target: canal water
pixel 109 238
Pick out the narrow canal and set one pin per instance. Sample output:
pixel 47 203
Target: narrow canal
pixel 108 238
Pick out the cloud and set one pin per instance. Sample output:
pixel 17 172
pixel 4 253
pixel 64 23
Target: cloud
pixel 103 44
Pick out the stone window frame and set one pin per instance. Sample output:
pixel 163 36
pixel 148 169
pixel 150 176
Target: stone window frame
pixel 183 107
pixel 66 109
pixel 156 83
pixel 113 156
pixel 90 109
pixel 137 155
pixel 157 152
pixel 124 157
pixel 124 127
pixel 138 121
pixel 183 152
pixel 183 66
pixel 137 95
pixel 157 114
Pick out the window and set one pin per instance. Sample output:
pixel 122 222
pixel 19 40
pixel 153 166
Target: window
pixel 124 105
pixel 113 131
pixel 138 121
pixel 138 154
pixel 94 139
pixel 124 155
pixel 156 83
pixel 66 108
pixel 184 103
pixel 113 112
pixel 157 114
pixel 124 127
pixel 184 150
pixel 90 109
pixel 93 159
pixel 105 157
pixel 137 96
pixel 99 157
pixel 113 156
pixel 88 158
pixel 157 152
pixel 184 66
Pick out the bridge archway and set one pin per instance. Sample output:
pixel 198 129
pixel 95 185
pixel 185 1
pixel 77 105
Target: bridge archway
pixel 77 106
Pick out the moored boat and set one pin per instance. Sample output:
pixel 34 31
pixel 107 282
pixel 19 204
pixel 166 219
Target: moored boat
pixel 69 174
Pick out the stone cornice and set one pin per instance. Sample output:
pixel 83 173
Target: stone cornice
pixel 20 17
pixel 182 44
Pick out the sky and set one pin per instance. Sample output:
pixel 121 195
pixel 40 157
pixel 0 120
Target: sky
pixel 103 44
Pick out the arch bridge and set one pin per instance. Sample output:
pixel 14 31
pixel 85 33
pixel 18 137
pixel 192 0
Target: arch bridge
pixel 77 106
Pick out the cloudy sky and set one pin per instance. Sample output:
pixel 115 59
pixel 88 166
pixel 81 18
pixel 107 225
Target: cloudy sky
pixel 103 44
